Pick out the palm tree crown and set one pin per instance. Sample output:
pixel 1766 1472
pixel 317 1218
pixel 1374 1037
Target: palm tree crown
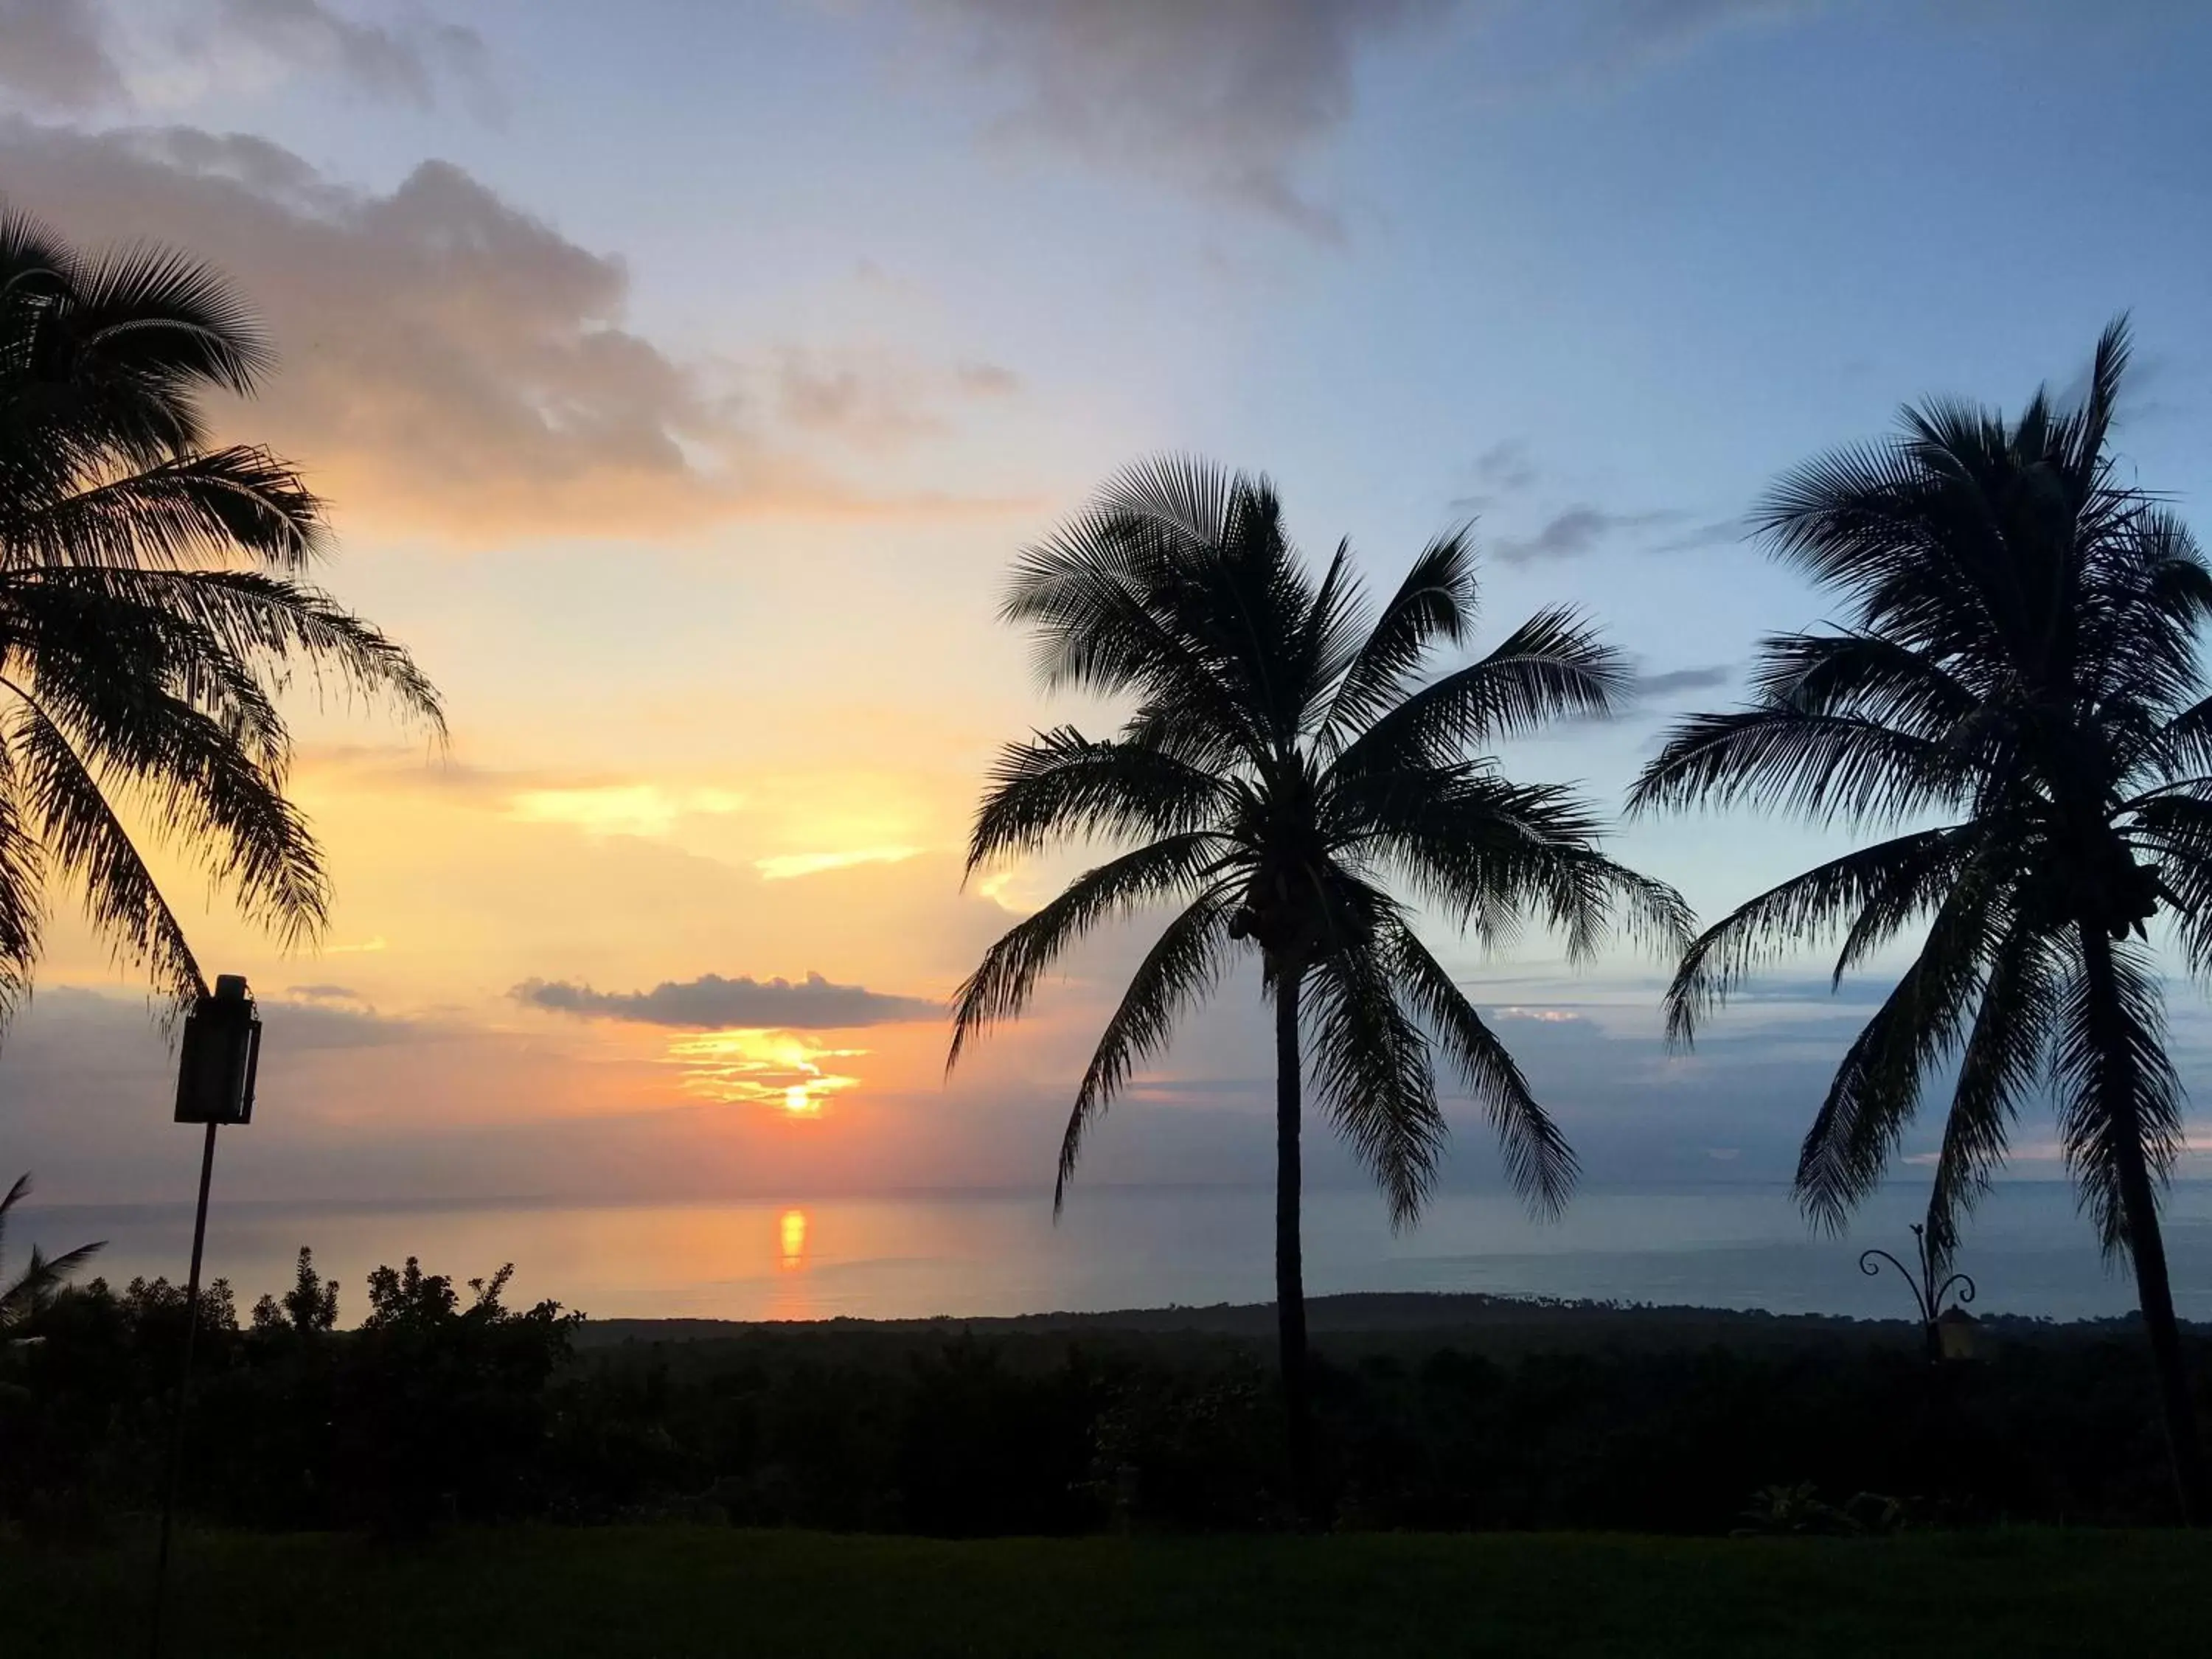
pixel 1284 762
pixel 2014 686
pixel 152 605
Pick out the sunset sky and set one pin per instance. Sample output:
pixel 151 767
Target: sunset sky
pixel 684 376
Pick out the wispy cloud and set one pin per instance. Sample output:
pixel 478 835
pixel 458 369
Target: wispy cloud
pixel 622 809
pixel 1572 532
pixel 786 866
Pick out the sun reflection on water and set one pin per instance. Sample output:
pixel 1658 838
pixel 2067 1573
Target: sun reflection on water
pixel 793 1229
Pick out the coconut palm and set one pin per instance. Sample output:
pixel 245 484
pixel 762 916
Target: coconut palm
pixel 1283 765
pixel 33 1288
pixel 2014 686
pixel 153 604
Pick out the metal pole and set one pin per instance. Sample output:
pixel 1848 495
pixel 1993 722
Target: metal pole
pixel 184 1387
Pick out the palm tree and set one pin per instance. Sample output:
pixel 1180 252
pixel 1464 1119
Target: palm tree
pixel 152 603
pixel 1284 762
pixel 31 1290
pixel 2016 687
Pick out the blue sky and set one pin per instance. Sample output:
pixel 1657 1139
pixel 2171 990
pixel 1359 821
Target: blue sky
pixel 686 374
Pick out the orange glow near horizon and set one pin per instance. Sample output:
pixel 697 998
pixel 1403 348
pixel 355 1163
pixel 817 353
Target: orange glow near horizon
pixel 779 1068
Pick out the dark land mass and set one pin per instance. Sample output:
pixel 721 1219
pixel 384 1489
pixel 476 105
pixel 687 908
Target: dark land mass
pixel 1389 1321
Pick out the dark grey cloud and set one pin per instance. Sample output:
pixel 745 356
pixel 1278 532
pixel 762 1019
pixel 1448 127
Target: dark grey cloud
pixel 1685 679
pixel 1503 469
pixel 1572 532
pixel 53 55
pixel 711 1002
pixel 1505 465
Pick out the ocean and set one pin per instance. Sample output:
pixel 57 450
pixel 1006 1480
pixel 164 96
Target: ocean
pixel 994 1253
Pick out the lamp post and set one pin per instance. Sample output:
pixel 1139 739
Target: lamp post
pixel 217 1061
pixel 1927 1293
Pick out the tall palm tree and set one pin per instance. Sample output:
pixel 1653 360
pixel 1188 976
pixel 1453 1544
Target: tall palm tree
pixel 1283 764
pixel 153 604
pixel 33 1288
pixel 2014 686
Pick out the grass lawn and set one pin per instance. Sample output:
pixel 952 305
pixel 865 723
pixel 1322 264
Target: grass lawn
pixel 678 1590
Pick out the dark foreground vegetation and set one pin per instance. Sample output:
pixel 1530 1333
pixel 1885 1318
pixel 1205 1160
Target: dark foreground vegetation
pixel 447 1407
pixel 673 1591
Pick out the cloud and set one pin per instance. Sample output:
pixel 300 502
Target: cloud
pixel 1573 532
pixel 80 55
pixel 451 365
pixel 711 1002
pixel 405 61
pixel 323 992
pixel 1503 469
pixel 1716 532
pixel 56 58
pixel 864 400
pixel 1229 98
pixel 1225 98
pixel 1685 679
pixel 621 809
pixel 785 866
pixel 988 381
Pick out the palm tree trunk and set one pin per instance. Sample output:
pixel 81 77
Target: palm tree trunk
pixel 2146 1245
pixel 1289 1267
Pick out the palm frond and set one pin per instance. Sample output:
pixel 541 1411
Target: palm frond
pixel 1876 1089
pixel 1435 603
pixel 1554 666
pixel 84 836
pixel 1183 966
pixel 177 514
pixel 999 989
pixel 1829 898
pixel 162 316
pixel 1373 1074
pixel 1825 768
pixel 22 882
pixel 186 774
pixel 2118 1095
pixel 1066 786
pixel 269 623
pixel 2000 1068
pixel 1538 1163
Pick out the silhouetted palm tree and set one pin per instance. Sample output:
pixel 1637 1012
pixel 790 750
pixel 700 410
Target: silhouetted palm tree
pixel 152 606
pixel 33 1288
pixel 1282 765
pixel 2017 675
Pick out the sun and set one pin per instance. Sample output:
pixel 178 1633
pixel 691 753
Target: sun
pixel 799 1101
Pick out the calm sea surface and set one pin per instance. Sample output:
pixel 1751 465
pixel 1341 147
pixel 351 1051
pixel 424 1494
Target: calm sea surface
pixel 1000 1253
